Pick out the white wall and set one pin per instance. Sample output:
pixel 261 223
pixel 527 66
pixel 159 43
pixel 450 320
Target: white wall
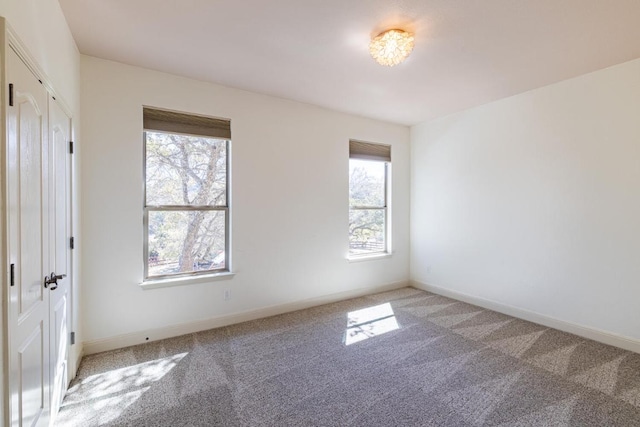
pixel 289 201
pixel 42 29
pixel 533 201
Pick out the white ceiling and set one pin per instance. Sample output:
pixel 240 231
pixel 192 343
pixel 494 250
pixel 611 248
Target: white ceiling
pixel 468 52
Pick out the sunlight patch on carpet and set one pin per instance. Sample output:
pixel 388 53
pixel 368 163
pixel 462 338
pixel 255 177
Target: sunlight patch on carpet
pixel 370 322
pixel 110 393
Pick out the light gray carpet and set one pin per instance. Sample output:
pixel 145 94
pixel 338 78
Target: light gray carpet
pixel 448 363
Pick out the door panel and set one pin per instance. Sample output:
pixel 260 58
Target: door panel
pixel 30 122
pixel 32 394
pixel 60 191
pixel 27 160
pixel 59 354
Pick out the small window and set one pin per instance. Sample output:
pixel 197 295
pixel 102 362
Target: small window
pixel 369 168
pixel 186 211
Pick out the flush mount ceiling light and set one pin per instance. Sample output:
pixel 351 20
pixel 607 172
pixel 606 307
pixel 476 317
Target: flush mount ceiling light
pixel 391 47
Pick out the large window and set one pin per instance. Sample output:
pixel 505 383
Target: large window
pixel 186 212
pixel 369 168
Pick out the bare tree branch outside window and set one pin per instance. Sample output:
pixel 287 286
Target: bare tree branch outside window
pixel 367 206
pixel 186 203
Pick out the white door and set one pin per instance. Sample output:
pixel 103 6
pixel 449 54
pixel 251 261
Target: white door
pixel 60 226
pixel 28 243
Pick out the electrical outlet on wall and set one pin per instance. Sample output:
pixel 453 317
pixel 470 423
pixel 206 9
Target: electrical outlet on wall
pixel 227 294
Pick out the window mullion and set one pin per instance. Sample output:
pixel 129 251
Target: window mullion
pixel 185 208
pixel 365 208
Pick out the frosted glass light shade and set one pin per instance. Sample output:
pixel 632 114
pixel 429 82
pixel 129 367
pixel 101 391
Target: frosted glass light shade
pixel 391 47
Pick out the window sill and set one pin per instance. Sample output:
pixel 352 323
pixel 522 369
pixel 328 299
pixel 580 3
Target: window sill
pixel 181 281
pixel 368 257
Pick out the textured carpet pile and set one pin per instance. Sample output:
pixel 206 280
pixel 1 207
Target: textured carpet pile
pixel 414 359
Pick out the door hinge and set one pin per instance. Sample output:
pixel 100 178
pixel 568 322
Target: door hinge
pixel 72 338
pixel 72 243
pixel 12 274
pixel 10 94
pixel 71 147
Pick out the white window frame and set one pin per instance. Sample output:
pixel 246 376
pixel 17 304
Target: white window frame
pixel 226 271
pixel 374 157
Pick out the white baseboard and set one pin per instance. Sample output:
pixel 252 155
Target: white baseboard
pixel 121 341
pixel 609 338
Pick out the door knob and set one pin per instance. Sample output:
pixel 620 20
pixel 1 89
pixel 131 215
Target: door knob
pixel 53 280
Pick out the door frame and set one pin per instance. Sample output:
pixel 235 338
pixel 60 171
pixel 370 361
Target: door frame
pixel 9 40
